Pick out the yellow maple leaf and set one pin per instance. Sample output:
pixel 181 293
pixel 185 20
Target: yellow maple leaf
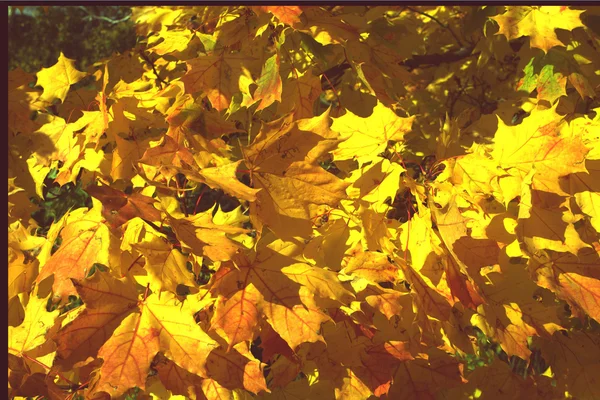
pixel 160 326
pixel 32 332
pixel 57 79
pixel 542 141
pixel 283 161
pixel 368 137
pixel 539 23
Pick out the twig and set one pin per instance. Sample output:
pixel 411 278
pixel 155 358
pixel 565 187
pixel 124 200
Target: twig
pixel 111 21
pixel 158 78
pixel 439 58
pixel 445 26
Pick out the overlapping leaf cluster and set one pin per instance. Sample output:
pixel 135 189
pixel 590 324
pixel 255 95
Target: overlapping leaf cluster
pixel 313 202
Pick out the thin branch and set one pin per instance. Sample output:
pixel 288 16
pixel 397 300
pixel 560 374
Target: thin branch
pixel 439 58
pixel 111 21
pixel 158 78
pixel 445 26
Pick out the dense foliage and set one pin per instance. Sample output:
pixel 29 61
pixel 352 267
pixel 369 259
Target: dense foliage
pixel 345 202
pixel 37 35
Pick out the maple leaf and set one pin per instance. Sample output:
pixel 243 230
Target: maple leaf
pixel 380 360
pixel 120 208
pixel 166 266
pixel 520 308
pixel 287 305
pixel 269 83
pixel 542 141
pixel 201 234
pixel 168 153
pixel 550 85
pixel 587 191
pixel 224 177
pixel 20 275
pixel 327 28
pixel 378 253
pixel 108 301
pixel 299 94
pixel 285 14
pixel 496 379
pixel 574 359
pixel 128 353
pixel 32 331
pixel 191 119
pixel 85 241
pixel 572 277
pixel 539 23
pixel 172 41
pixel 283 163
pixel 368 137
pixel 542 209
pixel 21 271
pixel 235 369
pixel 372 266
pixel 424 377
pixel 57 80
pixel 217 75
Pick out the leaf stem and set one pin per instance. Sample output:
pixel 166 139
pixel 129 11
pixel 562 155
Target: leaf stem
pixel 41 364
pixel 134 262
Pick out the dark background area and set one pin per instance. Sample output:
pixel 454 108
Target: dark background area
pixel 37 35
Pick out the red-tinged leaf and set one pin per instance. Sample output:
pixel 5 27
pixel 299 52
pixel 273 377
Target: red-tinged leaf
pixel 269 84
pixel 460 287
pixel 108 301
pixel 204 237
pixel 381 361
pixel 542 141
pixel 273 344
pixel 289 15
pixel 84 242
pixel 127 356
pixel 451 203
pixel 238 316
pixel 372 266
pixel 217 75
pixel 129 352
pixel 176 379
pixel 120 207
pixel 168 153
pixel 236 369
pixel 299 94
pixel 289 309
pixel 575 279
